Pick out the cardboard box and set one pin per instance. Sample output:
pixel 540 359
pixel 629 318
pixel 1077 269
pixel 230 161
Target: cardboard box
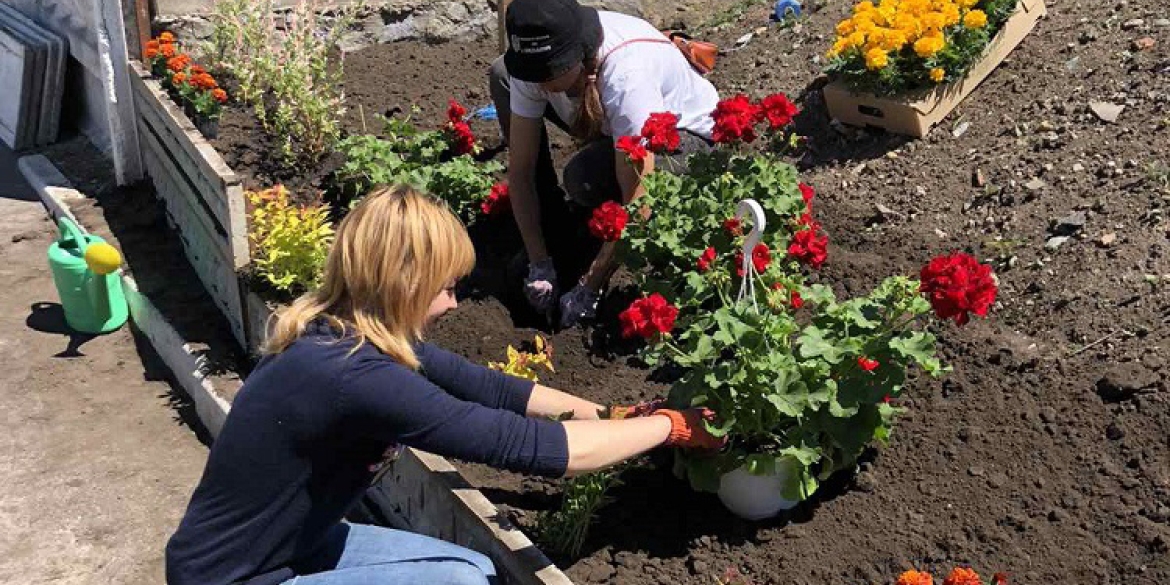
pixel 916 113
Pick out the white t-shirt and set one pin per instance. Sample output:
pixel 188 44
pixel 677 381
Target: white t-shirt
pixel 635 81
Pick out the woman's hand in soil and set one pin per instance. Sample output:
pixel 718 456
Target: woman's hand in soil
pixel 647 408
pixel 688 429
pixel 540 286
pixel 577 304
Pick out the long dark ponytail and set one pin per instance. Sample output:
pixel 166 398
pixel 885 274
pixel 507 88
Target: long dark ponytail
pixel 590 115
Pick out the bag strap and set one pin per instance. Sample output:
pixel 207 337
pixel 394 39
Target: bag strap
pixel 626 43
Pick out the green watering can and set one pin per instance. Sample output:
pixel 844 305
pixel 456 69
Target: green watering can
pixel 85 270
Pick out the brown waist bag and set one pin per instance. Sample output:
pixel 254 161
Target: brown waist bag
pixel 700 54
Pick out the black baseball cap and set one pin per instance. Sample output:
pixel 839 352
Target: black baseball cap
pixel 547 37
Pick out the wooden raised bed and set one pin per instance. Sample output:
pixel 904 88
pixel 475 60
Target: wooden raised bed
pixel 916 113
pixel 204 199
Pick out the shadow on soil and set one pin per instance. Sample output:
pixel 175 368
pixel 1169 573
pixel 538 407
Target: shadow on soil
pixel 155 370
pixel 829 146
pixel 48 317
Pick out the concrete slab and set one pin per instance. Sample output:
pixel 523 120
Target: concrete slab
pixel 53 70
pixel 16 62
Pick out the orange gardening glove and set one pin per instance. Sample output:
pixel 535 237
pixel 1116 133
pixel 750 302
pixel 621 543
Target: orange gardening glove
pixel 688 431
pixel 636 410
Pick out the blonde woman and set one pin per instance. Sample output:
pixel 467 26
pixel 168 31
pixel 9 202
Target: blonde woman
pixel 345 378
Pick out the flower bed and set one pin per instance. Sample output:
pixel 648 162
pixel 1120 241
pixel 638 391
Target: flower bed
pixel 910 95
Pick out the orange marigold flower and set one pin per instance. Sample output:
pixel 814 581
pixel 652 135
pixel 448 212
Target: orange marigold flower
pixel 219 95
pixel 167 37
pixel 913 577
pixel 178 63
pixel 203 81
pixel 152 44
pixel 962 576
pixel 150 52
pixel 168 50
pixel 197 69
pixel 178 79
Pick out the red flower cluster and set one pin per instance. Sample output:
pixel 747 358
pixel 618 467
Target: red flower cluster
pixel 632 146
pixel 867 364
pixel 706 259
pixel 735 120
pixel 736 117
pixel 455 111
pixel 458 131
pixel 761 258
pixel 648 317
pixel 608 222
pixel 807 194
pixel 777 110
pixel 809 247
pixel 498 201
pixel 733 226
pixel 661 132
pixel 958 285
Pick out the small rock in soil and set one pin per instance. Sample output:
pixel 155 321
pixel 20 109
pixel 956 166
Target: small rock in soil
pixel 22 236
pixel 1048 414
pixel 975 471
pixel 1078 168
pixel 698 567
pixel 885 213
pixel 1107 240
pixel 1114 432
pixel 1162 23
pixel 1055 242
pixel 1125 380
pixel 1132 24
pixel 977 178
pixel 1143 44
pixel 1069 224
pixel 1106 111
pixel 1035 184
pixel 961 129
pixel 1057 515
pixel 865 482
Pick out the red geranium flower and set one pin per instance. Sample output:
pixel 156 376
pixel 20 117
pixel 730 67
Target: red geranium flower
pixel 807 193
pixel 777 110
pixel 761 257
pixel 608 222
pixel 661 132
pixel 867 364
pixel 806 221
pixel 455 112
pixel 733 226
pixel 962 576
pixel 633 147
pixel 461 138
pixel 647 317
pixel 498 201
pixel 958 285
pixel 735 120
pixel 706 259
pixel 810 248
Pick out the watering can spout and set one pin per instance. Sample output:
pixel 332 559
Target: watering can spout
pixel 85 271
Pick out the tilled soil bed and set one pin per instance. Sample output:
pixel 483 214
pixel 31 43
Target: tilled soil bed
pixel 1045 454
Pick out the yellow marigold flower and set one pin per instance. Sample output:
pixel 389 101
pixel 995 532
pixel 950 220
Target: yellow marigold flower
pixel 952 15
pixel 916 7
pixel 975 19
pixel 839 47
pixel 876 59
pixel 863 7
pixel 846 27
pixel 967 4
pixel 926 47
pixel 886 15
pixel 938 74
pixel 865 26
pixel 908 26
pixel 933 21
pixel 892 40
pixel 857 39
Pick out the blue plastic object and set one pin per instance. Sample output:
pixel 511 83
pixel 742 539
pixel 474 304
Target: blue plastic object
pixel 487 112
pixel 786 8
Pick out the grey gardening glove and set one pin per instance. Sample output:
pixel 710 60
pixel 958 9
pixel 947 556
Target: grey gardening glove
pixel 577 304
pixel 540 286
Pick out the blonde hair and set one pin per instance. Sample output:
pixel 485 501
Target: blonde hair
pixel 392 255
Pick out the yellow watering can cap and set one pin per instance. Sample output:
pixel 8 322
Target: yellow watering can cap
pixel 102 258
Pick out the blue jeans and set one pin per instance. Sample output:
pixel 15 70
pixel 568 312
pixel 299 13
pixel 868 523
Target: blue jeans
pixel 371 554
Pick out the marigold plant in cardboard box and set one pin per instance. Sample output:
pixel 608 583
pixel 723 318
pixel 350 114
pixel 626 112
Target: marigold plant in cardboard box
pixel 898 45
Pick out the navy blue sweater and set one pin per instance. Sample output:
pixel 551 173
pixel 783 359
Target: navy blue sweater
pixel 306 433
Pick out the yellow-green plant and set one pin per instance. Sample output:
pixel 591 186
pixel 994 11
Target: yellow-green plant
pixel 522 363
pixel 290 242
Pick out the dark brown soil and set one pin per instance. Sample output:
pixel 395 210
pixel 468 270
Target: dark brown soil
pixel 1046 453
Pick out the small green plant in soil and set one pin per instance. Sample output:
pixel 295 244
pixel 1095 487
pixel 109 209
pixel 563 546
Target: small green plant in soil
pixel 438 162
pixel 564 530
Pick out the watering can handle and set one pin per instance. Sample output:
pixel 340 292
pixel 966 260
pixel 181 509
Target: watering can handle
pixel 70 231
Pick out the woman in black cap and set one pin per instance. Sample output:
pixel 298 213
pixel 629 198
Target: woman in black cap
pixel 599 76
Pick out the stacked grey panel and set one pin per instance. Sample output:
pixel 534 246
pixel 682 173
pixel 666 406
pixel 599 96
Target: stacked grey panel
pixel 32 71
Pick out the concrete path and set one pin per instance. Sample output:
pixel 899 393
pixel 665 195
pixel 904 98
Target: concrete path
pixel 97 461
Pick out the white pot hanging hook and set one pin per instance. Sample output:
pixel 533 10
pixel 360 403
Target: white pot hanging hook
pixel 752 208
